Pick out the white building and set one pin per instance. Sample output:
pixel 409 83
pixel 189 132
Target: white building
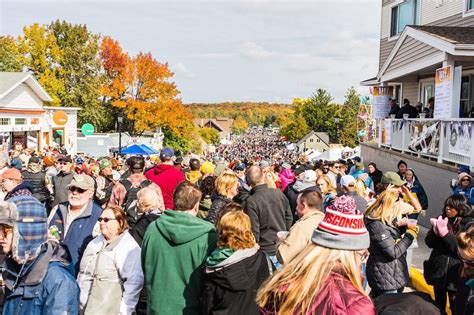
pixel 25 121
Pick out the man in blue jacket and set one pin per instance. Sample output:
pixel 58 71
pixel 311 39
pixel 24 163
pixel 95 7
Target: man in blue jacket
pixel 76 219
pixel 36 271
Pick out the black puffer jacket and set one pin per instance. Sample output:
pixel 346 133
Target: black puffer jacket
pixel 442 268
pixel 216 206
pixel 387 266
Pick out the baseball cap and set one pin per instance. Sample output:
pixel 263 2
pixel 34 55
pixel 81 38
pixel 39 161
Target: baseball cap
pixel 82 181
pixel 11 173
pixel 104 163
pixel 34 160
pixel 309 176
pixel 348 180
pixel 342 227
pixel 64 158
pixel 357 158
pixel 79 160
pixel 239 167
pixel 166 154
pixel 392 178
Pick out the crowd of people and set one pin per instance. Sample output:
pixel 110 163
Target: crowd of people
pixel 250 231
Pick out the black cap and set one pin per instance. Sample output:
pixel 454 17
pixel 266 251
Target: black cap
pixel 64 158
pixel 34 160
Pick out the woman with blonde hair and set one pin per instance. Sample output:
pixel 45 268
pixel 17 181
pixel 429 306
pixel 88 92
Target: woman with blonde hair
pixel 387 269
pixel 227 187
pixel 362 190
pixel 235 269
pixel 326 277
pixel 328 191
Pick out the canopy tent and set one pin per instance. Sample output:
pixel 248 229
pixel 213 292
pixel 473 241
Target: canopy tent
pixel 139 149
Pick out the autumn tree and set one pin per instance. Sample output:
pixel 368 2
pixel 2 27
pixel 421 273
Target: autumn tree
pixel 80 72
pixel 10 55
pixel 240 125
pixel 41 55
pixel 296 128
pixel 210 135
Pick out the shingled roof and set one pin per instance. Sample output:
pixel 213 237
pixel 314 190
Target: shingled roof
pixel 452 34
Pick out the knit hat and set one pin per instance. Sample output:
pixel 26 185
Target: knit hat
pixel 30 229
pixel 462 175
pixel 48 160
pixel 207 168
pixel 342 227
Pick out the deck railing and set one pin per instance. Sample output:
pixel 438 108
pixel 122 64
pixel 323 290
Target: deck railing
pixel 445 140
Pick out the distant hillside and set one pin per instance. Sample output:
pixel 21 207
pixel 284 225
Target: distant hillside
pixel 253 113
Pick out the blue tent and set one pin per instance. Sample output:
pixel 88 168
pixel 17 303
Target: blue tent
pixel 138 149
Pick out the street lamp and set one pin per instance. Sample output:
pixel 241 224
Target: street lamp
pixel 120 120
pixel 336 120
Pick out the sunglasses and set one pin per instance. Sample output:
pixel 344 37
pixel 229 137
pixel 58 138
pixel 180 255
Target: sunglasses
pixel 79 190
pixel 100 219
pixel 63 163
pixel 465 180
pixel 337 166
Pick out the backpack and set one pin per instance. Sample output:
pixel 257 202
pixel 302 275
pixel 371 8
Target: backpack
pixel 130 205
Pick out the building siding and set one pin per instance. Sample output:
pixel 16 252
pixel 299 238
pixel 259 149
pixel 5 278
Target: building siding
pixel 22 97
pixel 410 91
pixel 448 14
pixel 434 11
pixel 411 51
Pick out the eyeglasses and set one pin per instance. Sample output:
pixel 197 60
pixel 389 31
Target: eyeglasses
pixel 465 180
pixel 337 166
pixel 470 263
pixel 100 219
pixel 79 190
pixel 63 163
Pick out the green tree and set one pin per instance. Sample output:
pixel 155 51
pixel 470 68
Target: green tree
pixel 349 118
pixel 210 135
pixel 81 73
pixel 10 55
pixel 181 143
pixel 296 129
pixel 319 113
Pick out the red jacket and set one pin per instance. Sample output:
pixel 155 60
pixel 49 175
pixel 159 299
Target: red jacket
pixel 167 178
pixel 337 297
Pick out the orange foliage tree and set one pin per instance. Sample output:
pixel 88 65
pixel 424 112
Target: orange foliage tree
pixel 141 88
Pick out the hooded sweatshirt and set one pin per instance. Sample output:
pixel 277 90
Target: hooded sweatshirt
pixel 167 178
pixel 231 280
pixel 174 248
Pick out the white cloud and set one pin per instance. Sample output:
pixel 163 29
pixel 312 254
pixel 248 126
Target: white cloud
pixel 254 51
pixel 182 69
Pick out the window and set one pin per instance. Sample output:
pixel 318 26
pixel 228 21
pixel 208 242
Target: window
pixel 310 140
pixel 35 121
pixel 406 13
pixel 4 121
pixel 470 5
pixel 20 121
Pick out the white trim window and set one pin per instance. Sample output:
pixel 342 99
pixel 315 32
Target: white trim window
pixel 405 13
pixel 468 8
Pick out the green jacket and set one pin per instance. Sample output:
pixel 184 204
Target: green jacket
pixel 174 249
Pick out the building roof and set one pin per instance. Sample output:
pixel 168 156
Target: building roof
pixel 221 123
pixel 10 80
pixel 451 34
pixel 321 135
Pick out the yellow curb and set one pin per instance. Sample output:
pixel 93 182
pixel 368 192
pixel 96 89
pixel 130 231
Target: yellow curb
pixel 419 283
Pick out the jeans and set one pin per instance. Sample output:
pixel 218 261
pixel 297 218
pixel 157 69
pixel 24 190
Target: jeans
pixel 275 261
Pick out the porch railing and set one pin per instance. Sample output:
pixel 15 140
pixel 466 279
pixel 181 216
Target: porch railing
pixel 445 140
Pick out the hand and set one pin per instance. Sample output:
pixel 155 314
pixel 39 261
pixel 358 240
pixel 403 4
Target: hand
pixel 406 191
pixel 435 226
pixel 402 222
pixel 442 226
pixel 392 189
pixel 412 232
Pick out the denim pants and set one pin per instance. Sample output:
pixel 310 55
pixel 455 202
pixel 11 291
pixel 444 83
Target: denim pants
pixel 275 261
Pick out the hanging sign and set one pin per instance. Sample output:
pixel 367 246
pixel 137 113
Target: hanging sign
pixel 87 129
pixel 443 92
pixel 60 117
pixel 381 101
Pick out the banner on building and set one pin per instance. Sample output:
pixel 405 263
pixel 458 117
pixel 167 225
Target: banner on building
pixel 460 135
pixel 443 92
pixel 424 137
pixel 381 101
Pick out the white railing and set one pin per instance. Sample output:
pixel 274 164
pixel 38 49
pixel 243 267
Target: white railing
pixel 445 140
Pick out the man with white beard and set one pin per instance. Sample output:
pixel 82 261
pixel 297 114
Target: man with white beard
pixel 74 222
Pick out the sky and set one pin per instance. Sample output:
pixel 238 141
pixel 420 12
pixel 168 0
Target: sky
pixel 232 50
